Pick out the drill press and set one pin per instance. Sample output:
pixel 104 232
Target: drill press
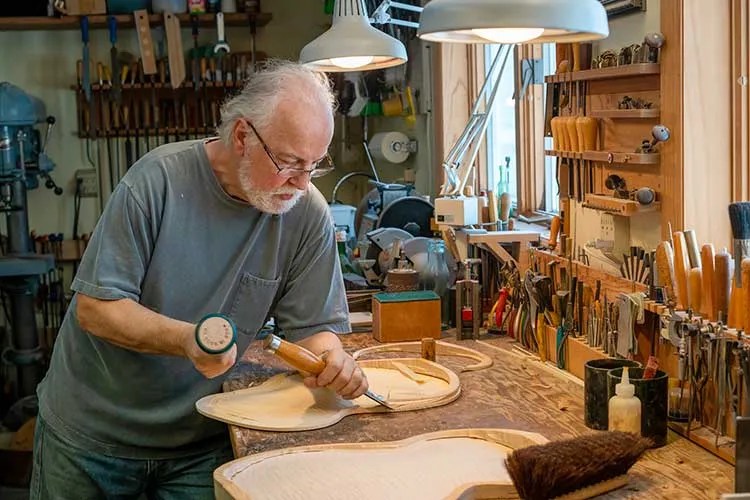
pixel 23 161
pixel 468 303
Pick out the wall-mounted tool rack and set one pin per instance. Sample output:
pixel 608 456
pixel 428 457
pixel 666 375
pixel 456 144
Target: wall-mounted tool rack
pixel 625 101
pixel 150 107
pixel 713 427
pixel 123 21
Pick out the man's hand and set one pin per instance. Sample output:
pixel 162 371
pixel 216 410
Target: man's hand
pixel 210 365
pixel 342 374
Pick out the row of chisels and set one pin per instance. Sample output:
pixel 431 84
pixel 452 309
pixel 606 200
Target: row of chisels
pixel 148 106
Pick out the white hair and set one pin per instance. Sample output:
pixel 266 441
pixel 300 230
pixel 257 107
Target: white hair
pixel 262 90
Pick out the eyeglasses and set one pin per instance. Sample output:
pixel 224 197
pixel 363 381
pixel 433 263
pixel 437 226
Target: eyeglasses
pixel 319 168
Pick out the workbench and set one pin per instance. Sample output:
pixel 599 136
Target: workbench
pixel 517 392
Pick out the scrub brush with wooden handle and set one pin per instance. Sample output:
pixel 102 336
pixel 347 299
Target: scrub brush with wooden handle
pixel 577 468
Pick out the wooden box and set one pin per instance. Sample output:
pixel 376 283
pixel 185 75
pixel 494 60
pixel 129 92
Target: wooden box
pixel 405 316
pixel 85 7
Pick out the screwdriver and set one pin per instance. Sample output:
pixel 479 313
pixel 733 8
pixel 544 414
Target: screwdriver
pixel 306 361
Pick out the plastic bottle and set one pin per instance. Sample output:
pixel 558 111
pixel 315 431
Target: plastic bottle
pixel 625 407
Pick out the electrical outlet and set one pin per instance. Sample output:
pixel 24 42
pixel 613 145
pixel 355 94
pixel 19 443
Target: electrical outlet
pixel 607 227
pixel 89 183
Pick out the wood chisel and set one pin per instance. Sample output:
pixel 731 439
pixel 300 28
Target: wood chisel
pixel 707 266
pixel 695 284
pixel 722 284
pixel 306 361
pixel 114 63
pixel 681 268
pixel 691 247
pixel 665 270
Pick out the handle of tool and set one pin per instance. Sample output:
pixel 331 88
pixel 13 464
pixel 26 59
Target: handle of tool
pixel 735 303
pixel 85 29
pixel 692 248
pixel 681 268
pixel 576 49
pixel 554 231
pixel 492 206
pixel 695 292
pixel 707 267
pixel 665 270
pixel 194 30
pixel 296 356
pixel 746 294
pixel 722 284
pixel 220 25
pixel 112 25
pixel 504 207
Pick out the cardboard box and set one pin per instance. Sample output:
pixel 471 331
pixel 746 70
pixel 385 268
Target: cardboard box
pixel 405 316
pixel 85 7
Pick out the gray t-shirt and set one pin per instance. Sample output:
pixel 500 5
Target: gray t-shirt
pixel 172 239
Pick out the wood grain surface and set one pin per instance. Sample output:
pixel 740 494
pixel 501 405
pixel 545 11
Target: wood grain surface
pixel 515 393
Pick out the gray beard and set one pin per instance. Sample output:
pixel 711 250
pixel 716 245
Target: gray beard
pixel 264 200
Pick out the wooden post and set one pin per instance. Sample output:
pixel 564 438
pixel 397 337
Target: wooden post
pixel 428 349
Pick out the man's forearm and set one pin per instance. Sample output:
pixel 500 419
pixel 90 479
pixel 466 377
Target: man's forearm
pixel 130 325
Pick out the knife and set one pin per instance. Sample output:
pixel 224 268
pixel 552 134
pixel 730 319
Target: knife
pixel 306 361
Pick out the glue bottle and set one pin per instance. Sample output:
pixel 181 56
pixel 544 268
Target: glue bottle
pixel 625 407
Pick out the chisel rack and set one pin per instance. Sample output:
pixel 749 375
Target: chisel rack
pixel 608 95
pixel 149 108
pixel 713 361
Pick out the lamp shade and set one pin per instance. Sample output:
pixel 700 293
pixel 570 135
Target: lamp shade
pixel 352 44
pixel 513 21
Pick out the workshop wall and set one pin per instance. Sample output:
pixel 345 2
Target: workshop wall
pixel 644 230
pixel 43 63
pixel 630 28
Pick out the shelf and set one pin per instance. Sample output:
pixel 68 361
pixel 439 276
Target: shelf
pixel 187 84
pixel 610 157
pixel 625 71
pixel 622 158
pixel 617 206
pixel 123 21
pixel 573 155
pixel 625 113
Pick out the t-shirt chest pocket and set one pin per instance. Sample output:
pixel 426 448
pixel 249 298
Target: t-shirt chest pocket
pixel 251 303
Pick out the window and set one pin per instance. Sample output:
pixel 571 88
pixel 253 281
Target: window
pixel 551 185
pixel 502 170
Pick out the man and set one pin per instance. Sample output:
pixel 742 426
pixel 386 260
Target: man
pixel 230 226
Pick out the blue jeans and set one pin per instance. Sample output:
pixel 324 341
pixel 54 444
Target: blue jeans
pixel 62 471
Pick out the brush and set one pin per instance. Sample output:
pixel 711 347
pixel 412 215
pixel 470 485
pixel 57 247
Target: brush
pixel 577 468
pixel 739 217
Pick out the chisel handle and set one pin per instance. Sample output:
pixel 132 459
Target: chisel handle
pixel 665 270
pixel 296 356
pixel 695 294
pixel 722 284
pixel 554 231
pixel 691 242
pixel 707 265
pixel 681 268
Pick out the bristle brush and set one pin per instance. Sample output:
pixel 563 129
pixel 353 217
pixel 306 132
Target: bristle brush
pixel 739 217
pixel 577 468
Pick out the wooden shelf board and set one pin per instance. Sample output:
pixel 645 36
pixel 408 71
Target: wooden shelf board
pixel 619 206
pixel 605 73
pixel 622 158
pixel 573 155
pixel 123 21
pixel 625 113
pixel 604 156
